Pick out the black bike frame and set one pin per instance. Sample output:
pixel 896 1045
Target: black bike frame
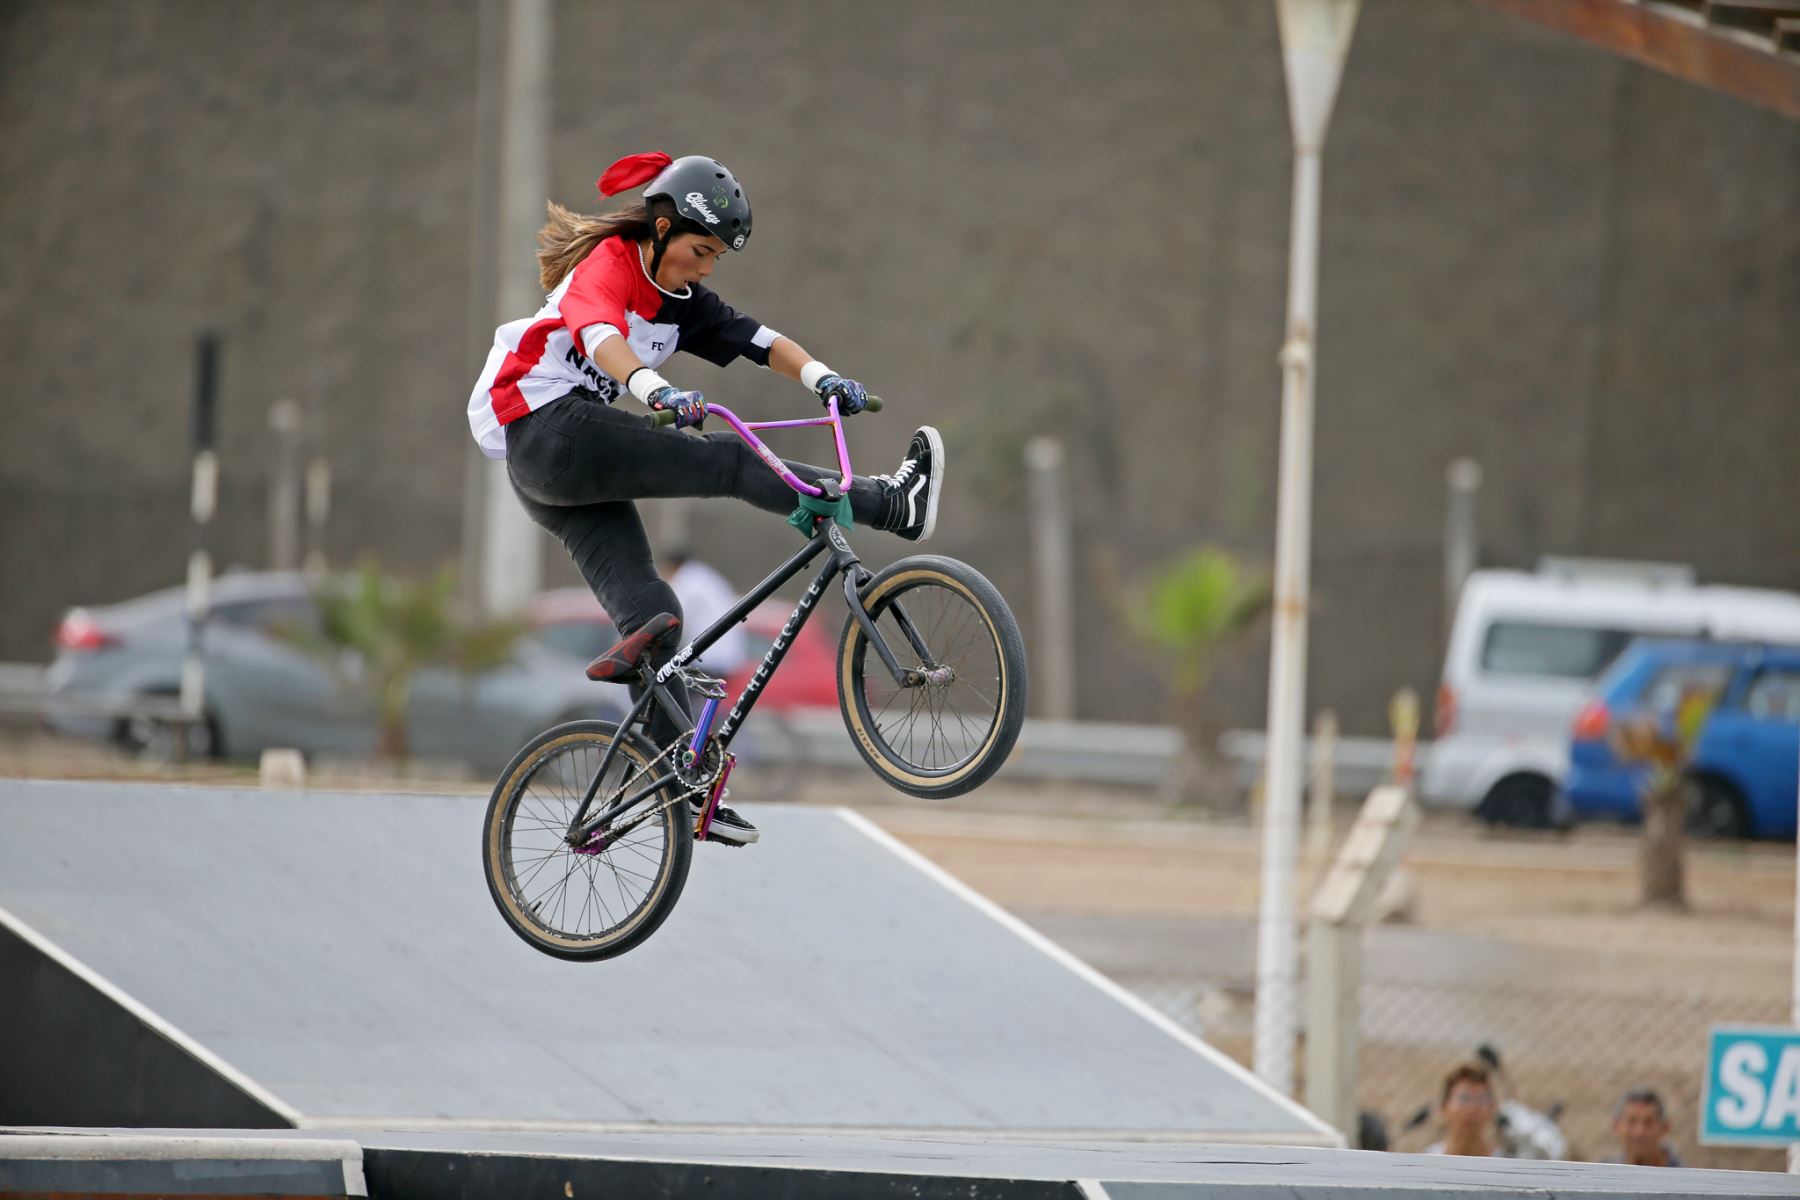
pixel 829 535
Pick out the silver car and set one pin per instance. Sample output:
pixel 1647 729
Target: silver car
pixel 118 671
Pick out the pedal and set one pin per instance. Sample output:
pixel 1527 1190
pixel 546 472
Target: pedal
pixel 702 683
pixel 707 837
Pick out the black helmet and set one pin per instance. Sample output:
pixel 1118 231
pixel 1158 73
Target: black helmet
pixel 706 196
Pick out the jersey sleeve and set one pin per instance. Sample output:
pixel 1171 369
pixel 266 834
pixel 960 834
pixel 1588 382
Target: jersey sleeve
pixel 719 333
pixel 599 291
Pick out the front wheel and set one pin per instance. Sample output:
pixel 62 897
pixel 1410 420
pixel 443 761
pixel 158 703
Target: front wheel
pixel 951 724
pixel 601 900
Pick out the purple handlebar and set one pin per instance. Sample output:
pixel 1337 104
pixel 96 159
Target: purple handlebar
pixel 746 430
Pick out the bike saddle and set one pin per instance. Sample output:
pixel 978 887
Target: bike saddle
pixel 623 659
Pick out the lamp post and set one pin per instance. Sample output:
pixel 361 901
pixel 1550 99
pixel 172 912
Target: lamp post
pixel 1462 540
pixel 203 503
pixel 1046 466
pixel 1315 38
pixel 512 548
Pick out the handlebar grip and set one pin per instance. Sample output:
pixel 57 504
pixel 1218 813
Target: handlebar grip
pixel 667 416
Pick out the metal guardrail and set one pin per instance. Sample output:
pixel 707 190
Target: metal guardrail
pixel 21 687
pixel 22 691
pixel 1359 764
pixel 1097 753
pixel 1083 751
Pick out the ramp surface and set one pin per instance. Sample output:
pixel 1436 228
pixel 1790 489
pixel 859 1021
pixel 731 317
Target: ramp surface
pixel 337 958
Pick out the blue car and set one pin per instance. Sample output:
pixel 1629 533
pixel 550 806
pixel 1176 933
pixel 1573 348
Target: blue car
pixel 1746 765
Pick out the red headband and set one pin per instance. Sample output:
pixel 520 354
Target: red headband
pixel 632 170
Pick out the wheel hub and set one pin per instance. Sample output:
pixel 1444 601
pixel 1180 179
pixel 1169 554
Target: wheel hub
pixel 930 677
pixel 597 843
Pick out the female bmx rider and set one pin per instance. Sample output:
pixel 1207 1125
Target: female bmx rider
pixel 626 293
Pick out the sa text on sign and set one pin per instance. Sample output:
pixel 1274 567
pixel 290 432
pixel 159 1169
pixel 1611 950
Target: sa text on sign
pixel 1752 1094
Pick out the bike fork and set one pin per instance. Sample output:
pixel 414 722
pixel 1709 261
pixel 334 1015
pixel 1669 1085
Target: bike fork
pixel 905 677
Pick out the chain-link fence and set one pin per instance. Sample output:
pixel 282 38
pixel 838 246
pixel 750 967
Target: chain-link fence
pixel 1577 1049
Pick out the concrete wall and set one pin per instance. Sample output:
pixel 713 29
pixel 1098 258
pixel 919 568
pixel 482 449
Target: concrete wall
pixel 1004 217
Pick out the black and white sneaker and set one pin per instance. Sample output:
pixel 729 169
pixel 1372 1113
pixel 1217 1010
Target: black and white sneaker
pixel 913 488
pixel 726 825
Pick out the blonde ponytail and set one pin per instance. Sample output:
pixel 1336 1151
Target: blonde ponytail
pixel 569 237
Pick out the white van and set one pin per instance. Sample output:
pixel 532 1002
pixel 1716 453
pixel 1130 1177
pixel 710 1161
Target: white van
pixel 1523 651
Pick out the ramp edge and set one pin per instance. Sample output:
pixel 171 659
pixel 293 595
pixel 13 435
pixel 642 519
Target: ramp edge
pixel 100 1143
pixel 246 1159
pixel 411 1171
pixel 150 1018
pixel 354 1125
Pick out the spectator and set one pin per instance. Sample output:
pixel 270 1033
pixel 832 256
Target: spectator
pixel 1468 1110
pixel 1641 1123
pixel 705 596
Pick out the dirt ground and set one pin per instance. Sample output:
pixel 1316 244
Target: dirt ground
pixel 1575 892
pixel 1533 941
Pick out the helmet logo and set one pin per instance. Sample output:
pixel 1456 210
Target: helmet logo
pixel 720 199
pixel 700 209
pixel 737 243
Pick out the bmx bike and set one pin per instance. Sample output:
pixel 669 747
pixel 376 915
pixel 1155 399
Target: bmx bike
pixel 589 832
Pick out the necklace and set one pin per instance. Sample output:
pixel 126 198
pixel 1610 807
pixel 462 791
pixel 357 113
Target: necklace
pixel 684 294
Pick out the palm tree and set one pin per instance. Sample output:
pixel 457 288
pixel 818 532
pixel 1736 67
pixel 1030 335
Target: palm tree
pixel 396 626
pixel 1665 744
pixel 1193 612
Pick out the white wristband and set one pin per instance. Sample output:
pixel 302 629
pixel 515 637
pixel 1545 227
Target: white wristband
pixel 643 381
pixel 814 371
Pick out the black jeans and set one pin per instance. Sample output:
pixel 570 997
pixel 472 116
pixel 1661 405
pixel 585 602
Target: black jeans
pixel 577 465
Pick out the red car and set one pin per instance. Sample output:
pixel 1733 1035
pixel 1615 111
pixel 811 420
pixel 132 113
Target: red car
pixel 571 621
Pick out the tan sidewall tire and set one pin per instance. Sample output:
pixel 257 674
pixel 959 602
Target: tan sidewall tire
pixel 941 572
pixel 671 871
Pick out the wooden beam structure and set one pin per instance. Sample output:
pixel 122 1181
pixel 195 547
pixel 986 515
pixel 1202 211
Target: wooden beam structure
pixel 1746 48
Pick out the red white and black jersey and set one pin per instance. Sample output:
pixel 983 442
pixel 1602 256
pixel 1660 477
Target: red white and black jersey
pixel 539 359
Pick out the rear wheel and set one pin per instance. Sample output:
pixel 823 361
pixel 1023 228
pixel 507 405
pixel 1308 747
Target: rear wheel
pixel 588 904
pixel 161 739
pixel 954 727
pixel 1717 810
pixel 1522 801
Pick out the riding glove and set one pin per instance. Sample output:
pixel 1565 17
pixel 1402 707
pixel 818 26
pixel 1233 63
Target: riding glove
pixel 689 407
pixel 852 397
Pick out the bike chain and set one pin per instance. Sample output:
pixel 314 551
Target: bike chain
pixel 663 805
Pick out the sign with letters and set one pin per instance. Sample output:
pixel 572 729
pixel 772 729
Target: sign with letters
pixel 1752 1092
